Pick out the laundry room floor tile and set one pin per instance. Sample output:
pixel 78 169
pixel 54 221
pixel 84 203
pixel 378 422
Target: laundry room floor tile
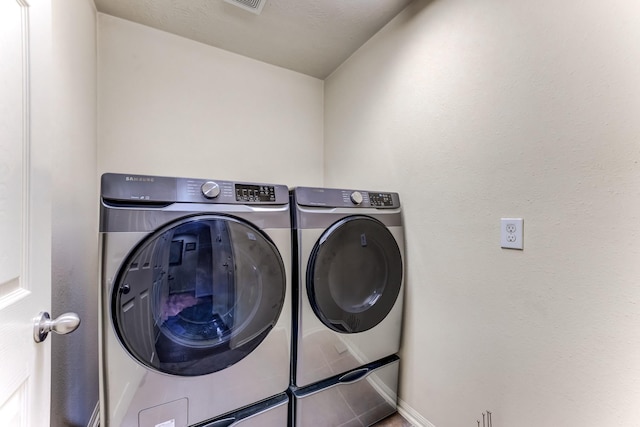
pixel 394 420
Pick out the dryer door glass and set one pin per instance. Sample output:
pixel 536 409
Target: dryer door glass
pixel 354 274
pixel 198 295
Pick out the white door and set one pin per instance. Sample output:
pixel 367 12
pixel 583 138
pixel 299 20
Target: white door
pixel 25 212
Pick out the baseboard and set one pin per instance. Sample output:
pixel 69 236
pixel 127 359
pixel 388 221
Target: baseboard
pixel 94 421
pixel 411 415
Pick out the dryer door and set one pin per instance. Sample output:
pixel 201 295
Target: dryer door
pixel 354 274
pixel 198 295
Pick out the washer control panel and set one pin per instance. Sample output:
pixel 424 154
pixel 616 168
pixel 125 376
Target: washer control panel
pixel 145 189
pixel 255 193
pixel 338 198
pixel 381 199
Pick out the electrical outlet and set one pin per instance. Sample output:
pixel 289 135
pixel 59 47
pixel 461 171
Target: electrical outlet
pixel 511 233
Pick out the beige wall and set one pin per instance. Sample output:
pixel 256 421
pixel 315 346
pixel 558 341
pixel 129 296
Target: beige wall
pixel 480 109
pixel 171 106
pixel 74 211
pixel 472 110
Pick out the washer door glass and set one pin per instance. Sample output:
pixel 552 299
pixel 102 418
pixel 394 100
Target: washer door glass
pixel 354 274
pixel 198 295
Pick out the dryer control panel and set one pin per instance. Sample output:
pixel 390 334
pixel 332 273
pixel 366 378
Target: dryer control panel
pixel 147 189
pixel 339 198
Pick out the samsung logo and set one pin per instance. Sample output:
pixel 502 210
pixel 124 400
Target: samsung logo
pixel 139 179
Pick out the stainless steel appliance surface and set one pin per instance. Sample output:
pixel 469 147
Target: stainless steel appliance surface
pixel 349 282
pixel 272 412
pixel 360 397
pixel 195 300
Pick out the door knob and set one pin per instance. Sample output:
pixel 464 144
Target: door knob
pixel 63 324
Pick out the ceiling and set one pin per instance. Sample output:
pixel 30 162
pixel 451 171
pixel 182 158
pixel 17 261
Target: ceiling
pixel 312 37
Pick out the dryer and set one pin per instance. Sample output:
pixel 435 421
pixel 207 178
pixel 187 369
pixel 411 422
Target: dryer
pixel 349 255
pixel 194 301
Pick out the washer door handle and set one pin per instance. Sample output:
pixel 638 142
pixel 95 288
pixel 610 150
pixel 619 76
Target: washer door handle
pixel 63 324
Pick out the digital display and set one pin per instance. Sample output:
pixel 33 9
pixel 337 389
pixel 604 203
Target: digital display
pixel 255 193
pixel 380 199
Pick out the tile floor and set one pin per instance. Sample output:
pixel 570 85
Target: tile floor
pixel 394 420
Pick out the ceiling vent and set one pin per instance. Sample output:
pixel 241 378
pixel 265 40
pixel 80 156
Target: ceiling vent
pixel 253 6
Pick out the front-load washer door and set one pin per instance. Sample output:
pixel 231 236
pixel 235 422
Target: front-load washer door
pixel 198 295
pixel 354 274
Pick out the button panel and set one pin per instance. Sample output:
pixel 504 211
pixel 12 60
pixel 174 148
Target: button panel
pixel 339 198
pixel 255 193
pixel 381 199
pixel 149 190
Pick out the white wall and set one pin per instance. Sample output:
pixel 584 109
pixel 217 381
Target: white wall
pixel 479 109
pixel 171 106
pixel 74 211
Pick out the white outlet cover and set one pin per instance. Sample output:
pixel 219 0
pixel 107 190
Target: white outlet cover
pixel 511 233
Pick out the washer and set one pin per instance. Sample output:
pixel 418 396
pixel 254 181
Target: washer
pixel 349 249
pixel 195 303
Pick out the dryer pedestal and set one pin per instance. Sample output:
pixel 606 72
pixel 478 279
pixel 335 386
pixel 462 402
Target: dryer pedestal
pixel 359 397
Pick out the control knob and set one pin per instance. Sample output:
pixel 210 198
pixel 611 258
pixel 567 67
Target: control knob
pixel 210 189
pixel 356 197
